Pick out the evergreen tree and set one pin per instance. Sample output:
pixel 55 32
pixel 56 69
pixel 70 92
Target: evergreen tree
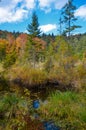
pixel 33 28
pixel 60 25
pixel 69 18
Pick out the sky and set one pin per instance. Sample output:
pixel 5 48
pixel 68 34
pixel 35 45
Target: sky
pixel 15 15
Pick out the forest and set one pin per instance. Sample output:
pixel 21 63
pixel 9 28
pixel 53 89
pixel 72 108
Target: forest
pixel 47 68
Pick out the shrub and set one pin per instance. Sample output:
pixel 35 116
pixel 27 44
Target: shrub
pixel 13 109
pixel 3 83
pixel 10 59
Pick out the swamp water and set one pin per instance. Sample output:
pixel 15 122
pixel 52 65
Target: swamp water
pixel 42 95
pixel 39 97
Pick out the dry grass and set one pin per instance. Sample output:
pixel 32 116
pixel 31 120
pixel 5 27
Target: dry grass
pixel 1 67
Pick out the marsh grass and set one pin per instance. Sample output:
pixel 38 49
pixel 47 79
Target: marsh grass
pixel 1 68
pixel 67 109
pixel 13 109
pixel 28 75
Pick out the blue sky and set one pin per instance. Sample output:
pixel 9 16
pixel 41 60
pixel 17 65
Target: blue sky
pixel 15 15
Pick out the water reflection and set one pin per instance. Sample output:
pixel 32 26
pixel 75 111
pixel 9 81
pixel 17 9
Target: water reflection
pixel 49 125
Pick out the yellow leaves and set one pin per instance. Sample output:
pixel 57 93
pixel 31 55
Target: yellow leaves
pixel 3 41
pixel 80 76
pixel 67 68
pixel 2 48
pixel 27 92
pixel 62 45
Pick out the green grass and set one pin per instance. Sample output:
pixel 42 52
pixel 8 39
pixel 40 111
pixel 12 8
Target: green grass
pixel 67 109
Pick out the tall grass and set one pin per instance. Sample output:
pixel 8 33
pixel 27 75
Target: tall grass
pixel 67 109
pixel 1 67
pixel 28 75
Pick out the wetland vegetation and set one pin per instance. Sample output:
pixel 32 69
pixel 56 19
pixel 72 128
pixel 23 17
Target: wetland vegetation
pixel 47 68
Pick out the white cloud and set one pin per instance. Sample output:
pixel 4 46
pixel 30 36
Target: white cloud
pixel 30 4
pixel 15 10
pixel 12 16
pixel 60 3
pixel 45 3
pixel 81 12
pixel 48 27
pixel 48 4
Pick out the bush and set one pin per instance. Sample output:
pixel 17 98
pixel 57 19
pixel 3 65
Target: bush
pixel 3 83
pixel 13 109
pixel 9 59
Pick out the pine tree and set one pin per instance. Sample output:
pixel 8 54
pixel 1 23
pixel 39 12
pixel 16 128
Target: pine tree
pixel 60 25
pixel 69 18
pixel 33 27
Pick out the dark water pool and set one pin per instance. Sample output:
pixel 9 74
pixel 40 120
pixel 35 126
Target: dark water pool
pixel 49 125
pixel 38 95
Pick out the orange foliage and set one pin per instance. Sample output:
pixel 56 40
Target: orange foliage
pixel 3 41
pixel 21 41
pixel 18 44
pixel 11 43
pixel 40 43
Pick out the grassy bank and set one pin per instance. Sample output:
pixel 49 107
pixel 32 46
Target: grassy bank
pixel 67 109
pixel 69 78
pixel 27 76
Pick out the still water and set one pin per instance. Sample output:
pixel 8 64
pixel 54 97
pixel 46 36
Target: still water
pixel 38 97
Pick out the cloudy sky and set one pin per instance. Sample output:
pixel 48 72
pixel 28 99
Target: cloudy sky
pixel 15 15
